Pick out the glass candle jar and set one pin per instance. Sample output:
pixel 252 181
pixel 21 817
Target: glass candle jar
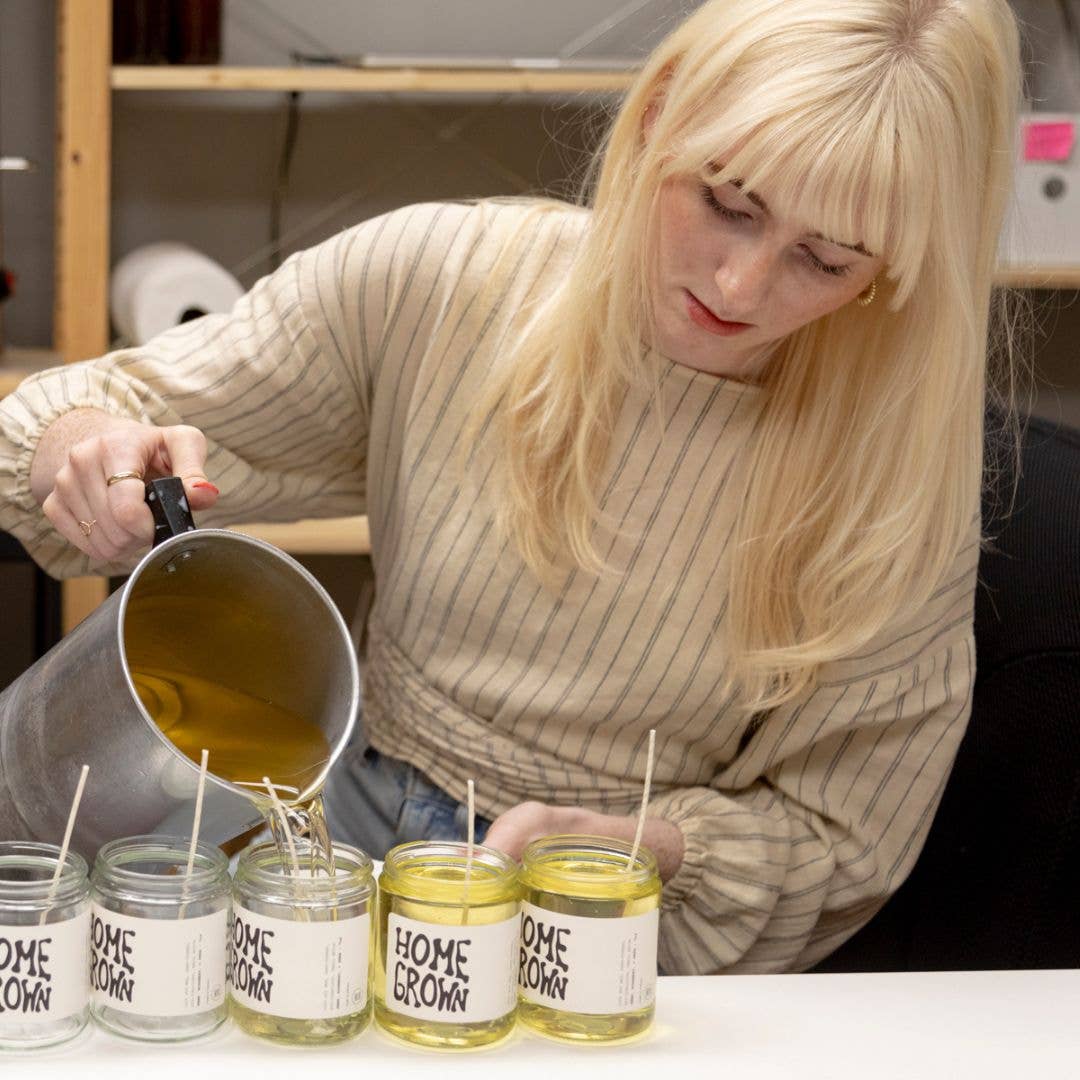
pixel 44 945
pixel 299 946
pixel 158 938
pixel 445 974
pixel 589 922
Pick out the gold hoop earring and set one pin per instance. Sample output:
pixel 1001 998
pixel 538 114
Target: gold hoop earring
pixel 866 297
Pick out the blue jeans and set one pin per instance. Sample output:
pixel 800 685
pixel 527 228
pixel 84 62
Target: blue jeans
pixel 375 802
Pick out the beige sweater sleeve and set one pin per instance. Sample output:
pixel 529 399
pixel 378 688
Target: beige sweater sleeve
pixel 825 809
pixel 278 385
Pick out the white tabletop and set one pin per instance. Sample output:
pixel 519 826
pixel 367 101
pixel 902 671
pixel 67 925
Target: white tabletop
pixel 954 1025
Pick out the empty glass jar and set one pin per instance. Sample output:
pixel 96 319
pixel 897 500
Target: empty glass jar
pixel 44 945
pixel 158 938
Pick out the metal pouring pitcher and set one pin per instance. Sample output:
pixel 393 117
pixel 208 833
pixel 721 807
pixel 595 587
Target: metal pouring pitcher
pixel 78 703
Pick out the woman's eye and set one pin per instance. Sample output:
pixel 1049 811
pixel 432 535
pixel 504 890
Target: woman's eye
pixel 824 267
pixel 728 214
pixel 719 208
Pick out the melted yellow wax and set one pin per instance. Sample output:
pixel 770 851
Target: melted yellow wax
pixel 591 885
pixel 248 738
pixel 436 893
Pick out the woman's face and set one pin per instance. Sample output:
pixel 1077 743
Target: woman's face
pixel 733 278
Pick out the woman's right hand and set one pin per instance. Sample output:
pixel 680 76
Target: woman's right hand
pixel 78 453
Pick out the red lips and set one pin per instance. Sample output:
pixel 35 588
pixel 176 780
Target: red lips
pixel 704 318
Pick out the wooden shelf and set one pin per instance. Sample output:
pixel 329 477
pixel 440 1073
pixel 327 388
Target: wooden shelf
pixel 324 536
pixel 371 80
pixel 9 379
pixel 17 363
pixel 1040 277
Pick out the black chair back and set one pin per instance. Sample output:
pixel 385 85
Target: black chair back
pixel 998 882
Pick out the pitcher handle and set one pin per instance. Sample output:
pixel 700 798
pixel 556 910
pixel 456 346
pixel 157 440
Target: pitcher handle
pixel 168 503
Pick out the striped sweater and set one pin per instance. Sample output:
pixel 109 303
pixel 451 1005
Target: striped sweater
pixel 339 385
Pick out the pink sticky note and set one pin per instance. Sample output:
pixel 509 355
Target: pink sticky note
pixel 1048 141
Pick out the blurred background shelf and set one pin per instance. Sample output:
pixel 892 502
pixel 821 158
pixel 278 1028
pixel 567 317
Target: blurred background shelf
pixel 324 536
pixel 1040 277
pixel 16 363
pixel 414 80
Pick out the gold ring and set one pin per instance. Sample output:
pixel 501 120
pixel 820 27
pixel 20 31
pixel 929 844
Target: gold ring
pixel 87 526
pixel 128 474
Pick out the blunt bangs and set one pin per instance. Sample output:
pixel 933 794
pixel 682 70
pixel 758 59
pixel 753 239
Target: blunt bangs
pixel 832 161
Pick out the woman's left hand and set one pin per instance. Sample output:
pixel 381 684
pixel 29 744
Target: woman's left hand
pixel 528 821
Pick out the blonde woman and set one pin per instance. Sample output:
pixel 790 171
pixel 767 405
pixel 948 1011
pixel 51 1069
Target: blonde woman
pixel 704 456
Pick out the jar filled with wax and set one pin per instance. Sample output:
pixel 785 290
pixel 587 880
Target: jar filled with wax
pixel 44 945
pixel 448 938
pixel 589 922
pixel 299 945
pixel 158 938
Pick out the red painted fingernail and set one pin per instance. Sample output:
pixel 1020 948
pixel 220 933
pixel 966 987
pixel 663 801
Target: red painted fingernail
pixel 206 484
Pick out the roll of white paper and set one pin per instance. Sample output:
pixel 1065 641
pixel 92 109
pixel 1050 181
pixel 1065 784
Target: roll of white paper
pixel 156 287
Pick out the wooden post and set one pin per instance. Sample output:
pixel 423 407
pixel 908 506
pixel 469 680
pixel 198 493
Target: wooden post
pixel 81 312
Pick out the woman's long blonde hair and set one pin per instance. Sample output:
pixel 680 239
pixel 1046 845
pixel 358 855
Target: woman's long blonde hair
pixel 889 122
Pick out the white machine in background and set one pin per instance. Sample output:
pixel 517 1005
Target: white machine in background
pixel 1042 223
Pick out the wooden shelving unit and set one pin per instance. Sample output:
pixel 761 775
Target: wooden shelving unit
pixel 86 80
pixel 83 131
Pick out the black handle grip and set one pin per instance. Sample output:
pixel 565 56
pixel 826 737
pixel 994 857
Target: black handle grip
pixel 168 503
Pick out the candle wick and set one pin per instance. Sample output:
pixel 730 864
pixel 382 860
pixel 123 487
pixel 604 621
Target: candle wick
pixel 470 802
pixel 199 791
pixel 67 841
pixel 644 801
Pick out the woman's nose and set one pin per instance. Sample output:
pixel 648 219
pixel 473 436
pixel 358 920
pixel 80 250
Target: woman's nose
pixel 743 277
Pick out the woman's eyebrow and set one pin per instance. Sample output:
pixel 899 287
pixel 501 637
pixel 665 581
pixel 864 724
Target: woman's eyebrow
pixel 840 243
pixel 753 196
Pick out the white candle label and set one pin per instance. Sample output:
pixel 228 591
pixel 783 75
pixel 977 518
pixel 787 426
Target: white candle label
pixel 300 970
pixel 452 974
pixel 157 967
pixel 577 964
pixel 43 971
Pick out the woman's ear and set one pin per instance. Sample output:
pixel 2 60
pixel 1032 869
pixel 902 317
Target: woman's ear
pixel 656 102
pixel 647 121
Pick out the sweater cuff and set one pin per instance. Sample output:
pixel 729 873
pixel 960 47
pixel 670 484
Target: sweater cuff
pixel 678 808
pixel 24 439
pixel 24 416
